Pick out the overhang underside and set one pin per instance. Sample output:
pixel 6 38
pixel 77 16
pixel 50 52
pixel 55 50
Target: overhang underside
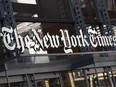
pixel 89 61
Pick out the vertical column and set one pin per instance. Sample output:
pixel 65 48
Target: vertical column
pixel 33 75
pixel 103 16
pixel 46 83
pixel 79 21
pixel 79 17
pixel 106 21
pixel 97 77
pixel 71 79
pixel 9 13
pixel 113 79
pixel 61 9
pixel 61 80
pixel 29 84
pixel 108 76
pixel 105 79
pixel 86 79
pixel 91 81
pixel 9 21
pixel 7 78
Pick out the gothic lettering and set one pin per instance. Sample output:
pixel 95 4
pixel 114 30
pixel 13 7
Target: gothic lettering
pixel 38 41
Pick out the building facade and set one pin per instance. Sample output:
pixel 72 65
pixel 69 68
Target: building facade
pixel 58 43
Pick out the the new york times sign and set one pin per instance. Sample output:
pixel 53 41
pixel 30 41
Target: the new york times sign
pixel 12 40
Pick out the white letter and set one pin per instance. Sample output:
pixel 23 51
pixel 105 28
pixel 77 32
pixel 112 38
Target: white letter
pixel 8 38
pixel 92 41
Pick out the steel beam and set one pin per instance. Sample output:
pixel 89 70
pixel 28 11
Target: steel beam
pixel 9 21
